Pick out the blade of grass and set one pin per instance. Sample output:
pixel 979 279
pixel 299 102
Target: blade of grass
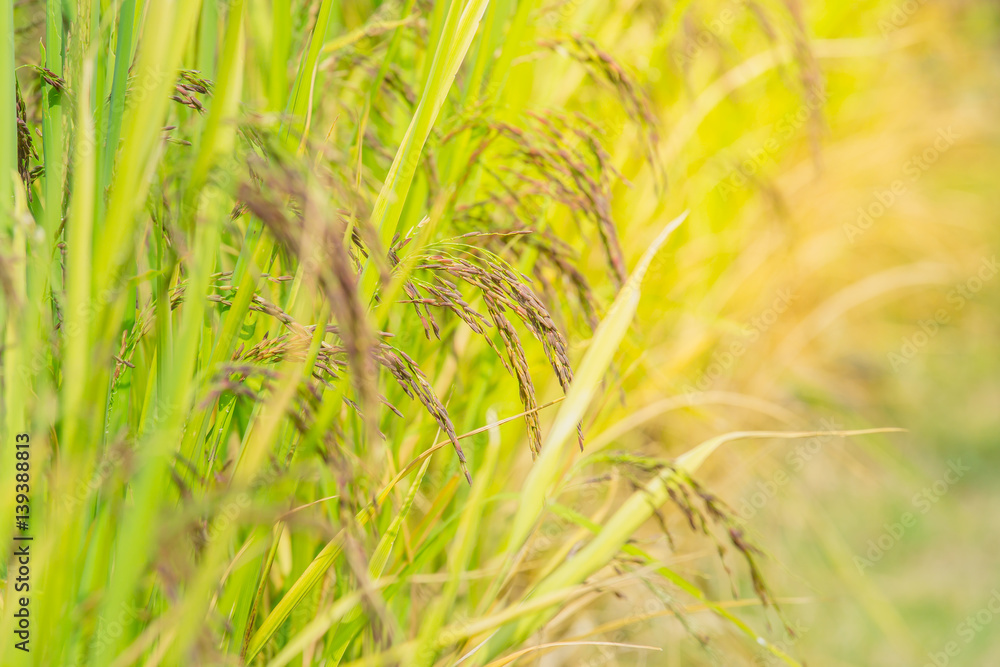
pixel 458 557
pixel 586 380
pixel 459 29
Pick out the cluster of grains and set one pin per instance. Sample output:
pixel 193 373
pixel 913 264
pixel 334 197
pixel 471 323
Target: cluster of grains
pixel 188 87
pixel 627 90
pixel 25 148
pixel 504 292
pixel 337 271
pixel 555 159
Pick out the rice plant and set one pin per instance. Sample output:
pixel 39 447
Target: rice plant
pixel 321 322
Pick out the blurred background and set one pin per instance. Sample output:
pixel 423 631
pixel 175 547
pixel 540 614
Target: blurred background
pixel 839 271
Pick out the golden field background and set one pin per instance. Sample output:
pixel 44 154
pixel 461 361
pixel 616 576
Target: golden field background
pixel 911 100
